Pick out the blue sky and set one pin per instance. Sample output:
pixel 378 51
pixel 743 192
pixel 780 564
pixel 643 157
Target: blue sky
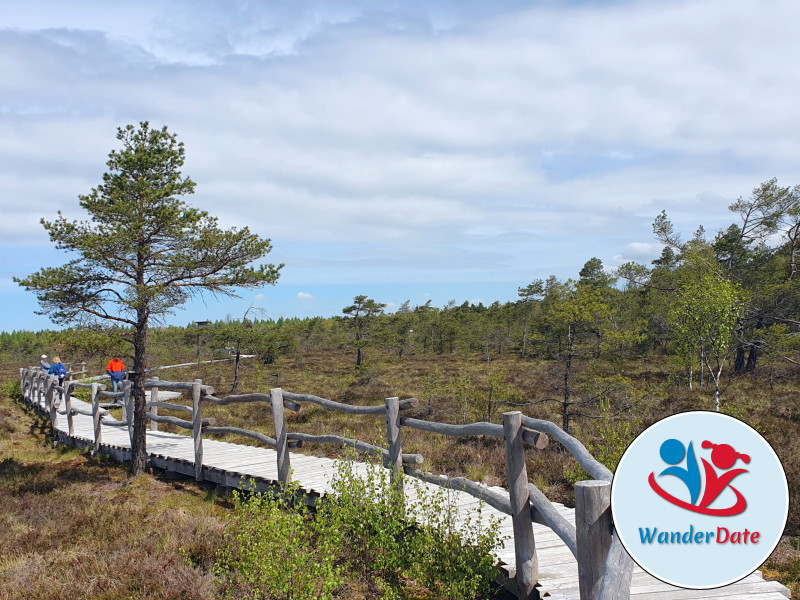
pixel 404 150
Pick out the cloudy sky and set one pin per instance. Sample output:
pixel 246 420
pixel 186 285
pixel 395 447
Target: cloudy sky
pixel 402 149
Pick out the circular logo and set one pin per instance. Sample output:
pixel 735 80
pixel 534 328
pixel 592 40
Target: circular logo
pixel 699 500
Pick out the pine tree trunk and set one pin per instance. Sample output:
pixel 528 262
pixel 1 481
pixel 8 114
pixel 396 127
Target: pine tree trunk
pixel 139 442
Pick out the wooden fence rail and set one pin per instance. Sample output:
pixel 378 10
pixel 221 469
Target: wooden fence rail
pixel 604 568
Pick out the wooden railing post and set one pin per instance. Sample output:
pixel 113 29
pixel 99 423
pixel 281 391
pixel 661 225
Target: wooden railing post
pixel 50 398
pixel 593 534
pixel 26 386
pixel 154 409
pixel 524 543
pixel 395 441
pixel 39 389
pixel 284 467
pixel 98 432
pixel 127 407
pixel 22 382
pixel 68 408
pixel 32 386
pixel 197 429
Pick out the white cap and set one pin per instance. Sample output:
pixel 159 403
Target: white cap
pixel 44 355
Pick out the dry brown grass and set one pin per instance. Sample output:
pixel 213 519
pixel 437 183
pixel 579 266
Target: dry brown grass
pixel 75 527
pixel 769 402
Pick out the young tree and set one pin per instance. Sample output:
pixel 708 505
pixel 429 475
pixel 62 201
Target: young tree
pixel 143 252
pixel 704 318
pixel 532 291
pixel 361 312
pixel 575 316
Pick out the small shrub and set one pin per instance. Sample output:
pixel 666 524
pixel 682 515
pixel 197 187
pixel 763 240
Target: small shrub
pixel 275 550
pixel 403 544
pixel 11 389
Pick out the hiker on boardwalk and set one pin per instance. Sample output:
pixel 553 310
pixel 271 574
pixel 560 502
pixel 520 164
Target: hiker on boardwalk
pixel 43 364
pixel 116 369
pixel 58 369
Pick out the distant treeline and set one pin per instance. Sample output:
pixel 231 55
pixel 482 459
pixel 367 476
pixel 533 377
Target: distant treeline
pixel 719 305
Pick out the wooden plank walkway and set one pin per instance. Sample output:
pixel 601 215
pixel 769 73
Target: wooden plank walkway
pixel 229 464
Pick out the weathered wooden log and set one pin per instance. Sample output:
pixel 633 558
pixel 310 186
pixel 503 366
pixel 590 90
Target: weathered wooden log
pixel 408 404
pixel 122 399
pixel 592 466
pixel 210 421
pixel 264 439
pixel 536 439
pixel 151 407
pixel 471 429
pixel 197 429
pixel 617 573
pixel 89 413
pixel 170 406
pixel 177 385
pixel 332 405
pixel 491 497
pixel 112 422
pixel 40 389
pixel 544 513
pixel 113 395
pixel 243 398
pixel 50 385
pixel 395 441
pixel 593 528
pixel 68 409
pixel 88 386
pixel 98 431
pixel 524 543
pixel 405 404
pixel 408 459
pixel 130 409
pixel 284 467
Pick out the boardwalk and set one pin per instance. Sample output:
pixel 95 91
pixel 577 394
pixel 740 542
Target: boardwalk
pixel 229 464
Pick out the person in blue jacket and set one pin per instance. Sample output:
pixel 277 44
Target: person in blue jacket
pixel 58 369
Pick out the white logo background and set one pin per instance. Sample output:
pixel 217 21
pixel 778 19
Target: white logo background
pixel 635 505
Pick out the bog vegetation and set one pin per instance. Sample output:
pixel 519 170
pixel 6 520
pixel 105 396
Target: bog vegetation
pixel 713 323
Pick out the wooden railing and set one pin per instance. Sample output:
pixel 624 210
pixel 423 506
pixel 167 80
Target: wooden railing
pixel 604 568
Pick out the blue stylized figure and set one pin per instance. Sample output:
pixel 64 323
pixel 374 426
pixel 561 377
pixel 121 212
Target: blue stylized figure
pixel 672 452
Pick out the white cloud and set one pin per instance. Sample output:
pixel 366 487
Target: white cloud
pixel 304 296
pixel 459 141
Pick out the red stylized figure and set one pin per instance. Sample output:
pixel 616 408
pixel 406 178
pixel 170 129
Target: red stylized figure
pixel 724 457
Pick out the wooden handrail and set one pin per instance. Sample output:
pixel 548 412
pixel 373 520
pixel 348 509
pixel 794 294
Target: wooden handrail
pixel 592 540
pixel 244 398
pixel 590 464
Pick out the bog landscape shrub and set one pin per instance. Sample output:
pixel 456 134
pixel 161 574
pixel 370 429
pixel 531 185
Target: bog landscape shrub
pixel 277 549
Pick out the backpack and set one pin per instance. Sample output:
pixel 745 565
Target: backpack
pixel 61 370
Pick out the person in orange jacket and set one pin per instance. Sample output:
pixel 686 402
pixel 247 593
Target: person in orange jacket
pixel 116 369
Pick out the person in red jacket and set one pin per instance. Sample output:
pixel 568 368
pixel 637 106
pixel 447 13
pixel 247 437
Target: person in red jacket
pixel 116 369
